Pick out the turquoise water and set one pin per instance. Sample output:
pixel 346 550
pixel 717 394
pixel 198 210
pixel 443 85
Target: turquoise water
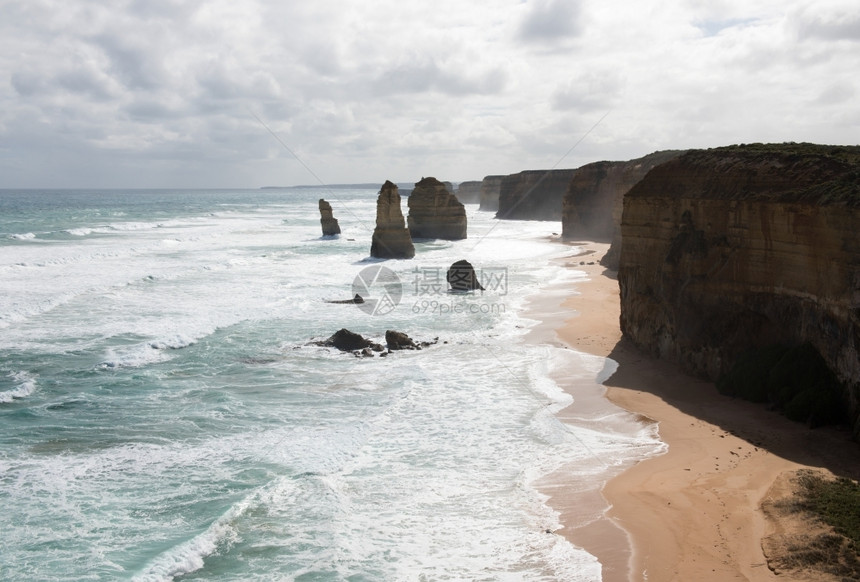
pixel 165 416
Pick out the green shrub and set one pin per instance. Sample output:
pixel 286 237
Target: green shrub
pixel 836 502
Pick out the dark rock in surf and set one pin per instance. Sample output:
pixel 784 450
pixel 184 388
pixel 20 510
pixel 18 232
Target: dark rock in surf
pixel 462 277
pixel 348 341
pixel 396 340
pixel 357 300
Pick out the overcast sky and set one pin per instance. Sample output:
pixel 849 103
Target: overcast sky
pixel 180 93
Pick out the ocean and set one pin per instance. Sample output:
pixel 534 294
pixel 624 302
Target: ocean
pixel 166 415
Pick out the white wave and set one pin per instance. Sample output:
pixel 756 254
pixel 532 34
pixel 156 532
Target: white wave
pixel 188 557
pixel 26 386
pixel 79 231
pixel 174 342
pixel 24 236
pixel 135 356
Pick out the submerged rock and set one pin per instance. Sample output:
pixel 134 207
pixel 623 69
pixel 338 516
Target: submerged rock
pixel 462 277
pixel 357 300
pixel 330 227
pixel 391 238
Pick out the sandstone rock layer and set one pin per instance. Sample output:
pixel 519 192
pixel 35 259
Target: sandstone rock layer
pixel 391 238
pixel 746 246
pixel 434 212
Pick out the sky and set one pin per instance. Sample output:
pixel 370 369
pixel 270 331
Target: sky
pixel 250 93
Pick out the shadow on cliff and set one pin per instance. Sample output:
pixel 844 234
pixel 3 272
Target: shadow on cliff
pixel 826 447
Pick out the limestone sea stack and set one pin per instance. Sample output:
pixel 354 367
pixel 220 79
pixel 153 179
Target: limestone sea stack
pixel 391 239
pixel 434 212
pixel 330 227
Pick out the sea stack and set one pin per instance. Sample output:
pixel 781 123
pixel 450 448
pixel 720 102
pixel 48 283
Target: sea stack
pixel 391 239
pixel 330 227
pixel 434 212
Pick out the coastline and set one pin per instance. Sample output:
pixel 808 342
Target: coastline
pixel 695 511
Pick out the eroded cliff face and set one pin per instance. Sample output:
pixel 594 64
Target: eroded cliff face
pixel 434 212
pixel 592 205
pixel 533 194
pixel 469 192
pixel 490 186
pixel 747 246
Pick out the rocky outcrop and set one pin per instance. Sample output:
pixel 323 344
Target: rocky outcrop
pixel 397 340
pixel 434 212
pixel 469 192
pixel 461 277
pixel 348 341
pixel 490 187
pixel 592 205
pixel 533 194
pixel 330 227
pixel 391 239
pixel 745 247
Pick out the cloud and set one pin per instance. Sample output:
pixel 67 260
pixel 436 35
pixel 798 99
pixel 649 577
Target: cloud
pixel 421 75
pixel 832 25
pixel 164 92
pixel 548 21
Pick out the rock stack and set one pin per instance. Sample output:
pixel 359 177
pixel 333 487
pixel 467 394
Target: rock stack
pixel 434 212
pixel 330 227
pixel 391 238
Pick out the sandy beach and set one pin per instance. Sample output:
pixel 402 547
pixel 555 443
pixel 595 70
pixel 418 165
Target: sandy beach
pixel 693 513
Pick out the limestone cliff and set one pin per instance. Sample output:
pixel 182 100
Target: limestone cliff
pixel 469 192
pixel 391 238
pixel 490 186
pixel 533 194
pixel 329 224
pixel 746 246
pixel 434 212
pixel 592 205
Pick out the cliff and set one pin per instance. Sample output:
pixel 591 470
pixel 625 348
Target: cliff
pixel 533 194
pixel 329 224
pixel 490 186
pixel 469 192
pixel 434 212
pixel 592 205
pixel 391 238
pixel 748 247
